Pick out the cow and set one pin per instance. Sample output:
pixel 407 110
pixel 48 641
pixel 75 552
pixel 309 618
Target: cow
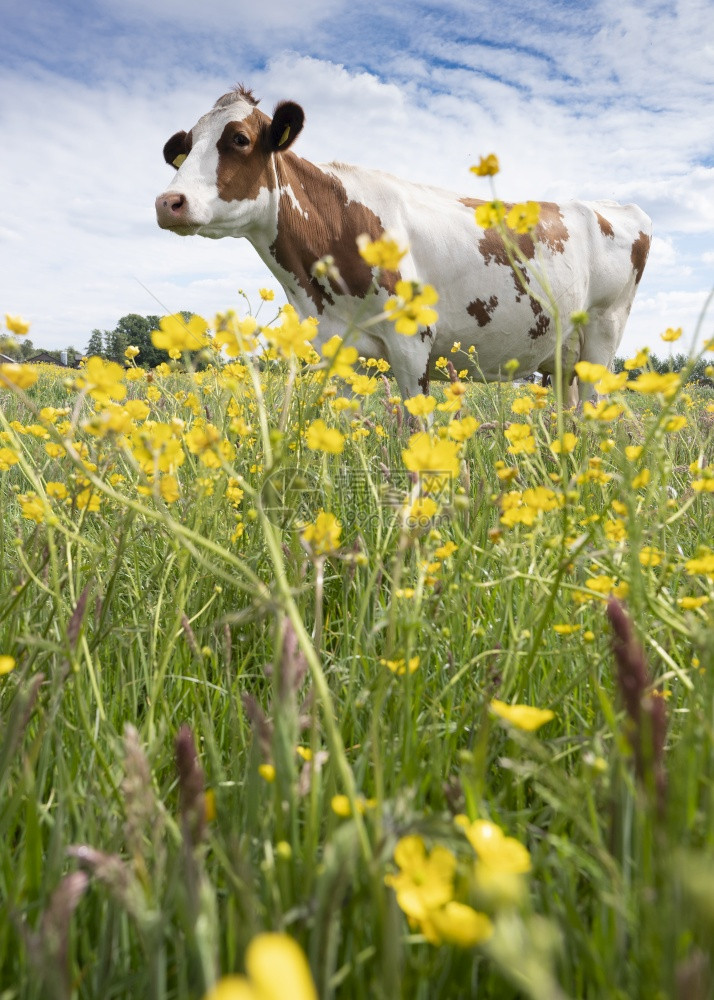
pixel 237 175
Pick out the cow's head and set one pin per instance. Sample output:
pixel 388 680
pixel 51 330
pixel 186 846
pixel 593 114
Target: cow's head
pixel 225 167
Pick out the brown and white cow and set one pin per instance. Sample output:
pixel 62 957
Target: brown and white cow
pixel 236 176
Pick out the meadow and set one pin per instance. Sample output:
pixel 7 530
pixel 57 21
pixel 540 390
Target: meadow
pixel 303 694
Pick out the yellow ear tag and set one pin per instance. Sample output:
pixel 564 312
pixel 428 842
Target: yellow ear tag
pixel 285 136
pixel 179 160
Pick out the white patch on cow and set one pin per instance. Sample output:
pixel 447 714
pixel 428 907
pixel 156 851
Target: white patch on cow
pixel 295 203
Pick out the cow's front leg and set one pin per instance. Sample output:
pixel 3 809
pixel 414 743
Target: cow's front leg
pixel 410 359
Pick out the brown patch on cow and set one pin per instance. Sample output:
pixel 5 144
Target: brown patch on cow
pixel 482 310
pixel 472 202
pixel 542 323
pixel 638 255
pixel 423 382
pixel 426 332
pixel 244 170
pixel 323 223
pixel 605 227
pixel 551 230
pixel 493 250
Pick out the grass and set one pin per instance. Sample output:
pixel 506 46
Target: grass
pixel 211 728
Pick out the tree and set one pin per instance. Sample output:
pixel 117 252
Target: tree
pixel 136 331
pixel 96 344
pixel 115 345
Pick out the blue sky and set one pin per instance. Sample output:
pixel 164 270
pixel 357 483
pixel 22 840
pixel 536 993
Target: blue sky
pixel 601 99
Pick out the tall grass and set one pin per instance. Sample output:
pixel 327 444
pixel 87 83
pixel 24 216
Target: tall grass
pixel 216 727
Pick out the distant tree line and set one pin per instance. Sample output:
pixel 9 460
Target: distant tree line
pixel 131 330
pixel 675 363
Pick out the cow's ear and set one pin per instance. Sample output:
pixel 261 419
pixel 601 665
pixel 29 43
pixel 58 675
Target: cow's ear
pixel 285 127
pixel 176 150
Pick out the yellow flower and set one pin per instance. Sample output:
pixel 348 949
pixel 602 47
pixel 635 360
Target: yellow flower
pixel 8 457
pixel 177 334
pixel 505 472
pixel 341 358
pixel 363 385
pixel 292 337
pixel 320 437
pixel 421 512
pixel 521 439
pixel 639 360
pixel 650 556
pixel 266 294
pixel 411 308
pixel 490 214
pixel 522 218
pixel 675 423
pixel 494 849
pixel 564 446
pixel 420 406
pixel 7 664
pixel 58 491
pixel 670 334
pixel 487 166
pixel 16 325
pixel 458 924
pixel 601 584
pixel 103 380
pixel 611 383
pixel 237 336
pixel 425 881
pixel 703 564
pixel 402 667
pixel 434 458
pixel 323 535
pixel 633 451
pixel 615 530
pixel 384 253
pixel 705 485
pixel 525 717
pixel 641 480
pixel 522 405
pixel 692 603
pixel 277 970
pixel 650 382
pixel 31 507
pixel 589 372
pixel 169 488
pixel 23 376
pixel 602 410
pixel 131 352
pixel 566 629
pixel 267 772
pixel 462 430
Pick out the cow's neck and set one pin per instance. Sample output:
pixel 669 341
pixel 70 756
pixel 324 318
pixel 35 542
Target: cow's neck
pixel 317 219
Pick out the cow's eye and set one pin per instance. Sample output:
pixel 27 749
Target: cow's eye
pixel 240 139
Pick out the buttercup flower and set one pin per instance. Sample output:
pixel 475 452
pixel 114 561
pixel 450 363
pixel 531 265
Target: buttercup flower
pixel 384 253
pixel 276 970
pixel 524 717
pixel 16 325
pixel 487 166
pixel 411 308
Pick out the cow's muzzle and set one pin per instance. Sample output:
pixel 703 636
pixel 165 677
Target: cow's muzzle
pixel 172 210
